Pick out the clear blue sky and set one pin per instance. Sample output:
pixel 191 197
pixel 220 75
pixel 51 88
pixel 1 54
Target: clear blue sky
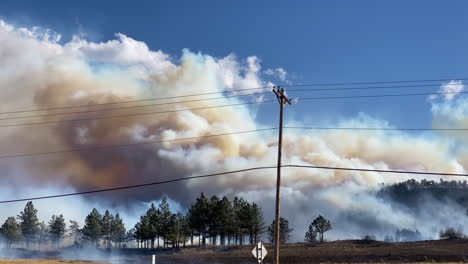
pixel 315 41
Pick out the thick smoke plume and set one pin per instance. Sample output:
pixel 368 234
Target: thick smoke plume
pixel 39 71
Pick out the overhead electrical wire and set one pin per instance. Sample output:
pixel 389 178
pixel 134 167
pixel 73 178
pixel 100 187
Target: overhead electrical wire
pixel 136 114
pixel 228 105
pixel 375 96
pixel 132 101
pixel 376 82
pixel 376 170
pixel 137 185
pixel 365 88
pixel 114 146
pixel 377 128
pixel 225 173
pixel 207 99
pixel 259 88
pixel 132 144
pixel 133 106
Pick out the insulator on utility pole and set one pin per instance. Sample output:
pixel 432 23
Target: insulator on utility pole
pixel 283 101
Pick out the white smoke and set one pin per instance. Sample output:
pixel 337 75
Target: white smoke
pixel 40 70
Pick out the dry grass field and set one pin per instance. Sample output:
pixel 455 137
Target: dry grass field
pixel 346 251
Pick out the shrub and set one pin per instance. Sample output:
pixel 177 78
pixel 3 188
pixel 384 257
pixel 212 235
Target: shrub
pixel 451 233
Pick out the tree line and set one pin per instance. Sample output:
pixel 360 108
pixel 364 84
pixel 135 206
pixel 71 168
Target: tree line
pixel 214 220
pixel 219 220
pixel 26 228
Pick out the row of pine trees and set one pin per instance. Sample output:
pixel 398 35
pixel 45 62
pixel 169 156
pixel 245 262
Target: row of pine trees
pixel 217 221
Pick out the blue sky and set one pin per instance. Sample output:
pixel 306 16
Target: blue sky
pixel 315 41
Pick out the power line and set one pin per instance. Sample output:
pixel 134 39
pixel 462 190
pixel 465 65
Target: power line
pixel 128 107
pixel 195 100
pixel 377 128
pixel 136 114
pixel 204 99
pixel 376 96
pixel 365 88
pixel 231 172
pixel 377 82
pixel 132 144
pixel 137 185
pixel 102 147
pixel 219 106
pixel 377 170
pixel 250 89
pixel 132 101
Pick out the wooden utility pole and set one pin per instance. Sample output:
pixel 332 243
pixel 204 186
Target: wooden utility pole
pixel 283 101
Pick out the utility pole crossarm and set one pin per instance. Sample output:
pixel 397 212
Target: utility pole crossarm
pixel 283 100
pixel 281 94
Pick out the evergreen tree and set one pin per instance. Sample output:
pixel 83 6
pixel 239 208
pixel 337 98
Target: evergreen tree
pixel 243 218
pixel 285 231
pixel 321 225
pixel 225 219
pixel 117 230
pixel 11 231
pixel 57 228
pixel 186 230
pixel 165 219
pixel 311 234
pixel 257 224
pixel 214 217
pixel 92 228
pixel 106 227
pixel 143 230
pixel 42 235
pixel 174 231
pixel 199 217
pixel 75 232
pixel 155 226
pixel 29 223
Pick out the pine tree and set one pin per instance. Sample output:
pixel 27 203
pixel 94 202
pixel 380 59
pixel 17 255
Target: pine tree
pixel 75 231
pixel 186 230
pixel 257 224
pixel 154 216
pixel 92 228
pixel 106 227
pixel 199 217
pixel 117 230
pixel 225 218
pixel 11 231
pixel 174 231
pixel 57 228
pixel 29 223
pixel 242 216
pixel 285 231
pixel 165 219
pixel 321 225
pixel 143 230
pixel 42 234
pixel 311 235
pixel 214 216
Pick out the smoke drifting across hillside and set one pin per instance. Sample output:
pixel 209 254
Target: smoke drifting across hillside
pixel 39 69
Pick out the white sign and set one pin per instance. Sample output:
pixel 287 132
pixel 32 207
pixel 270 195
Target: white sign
pixel 259 252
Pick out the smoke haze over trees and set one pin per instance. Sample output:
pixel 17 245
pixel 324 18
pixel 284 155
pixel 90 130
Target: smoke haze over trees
pixel 42 71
